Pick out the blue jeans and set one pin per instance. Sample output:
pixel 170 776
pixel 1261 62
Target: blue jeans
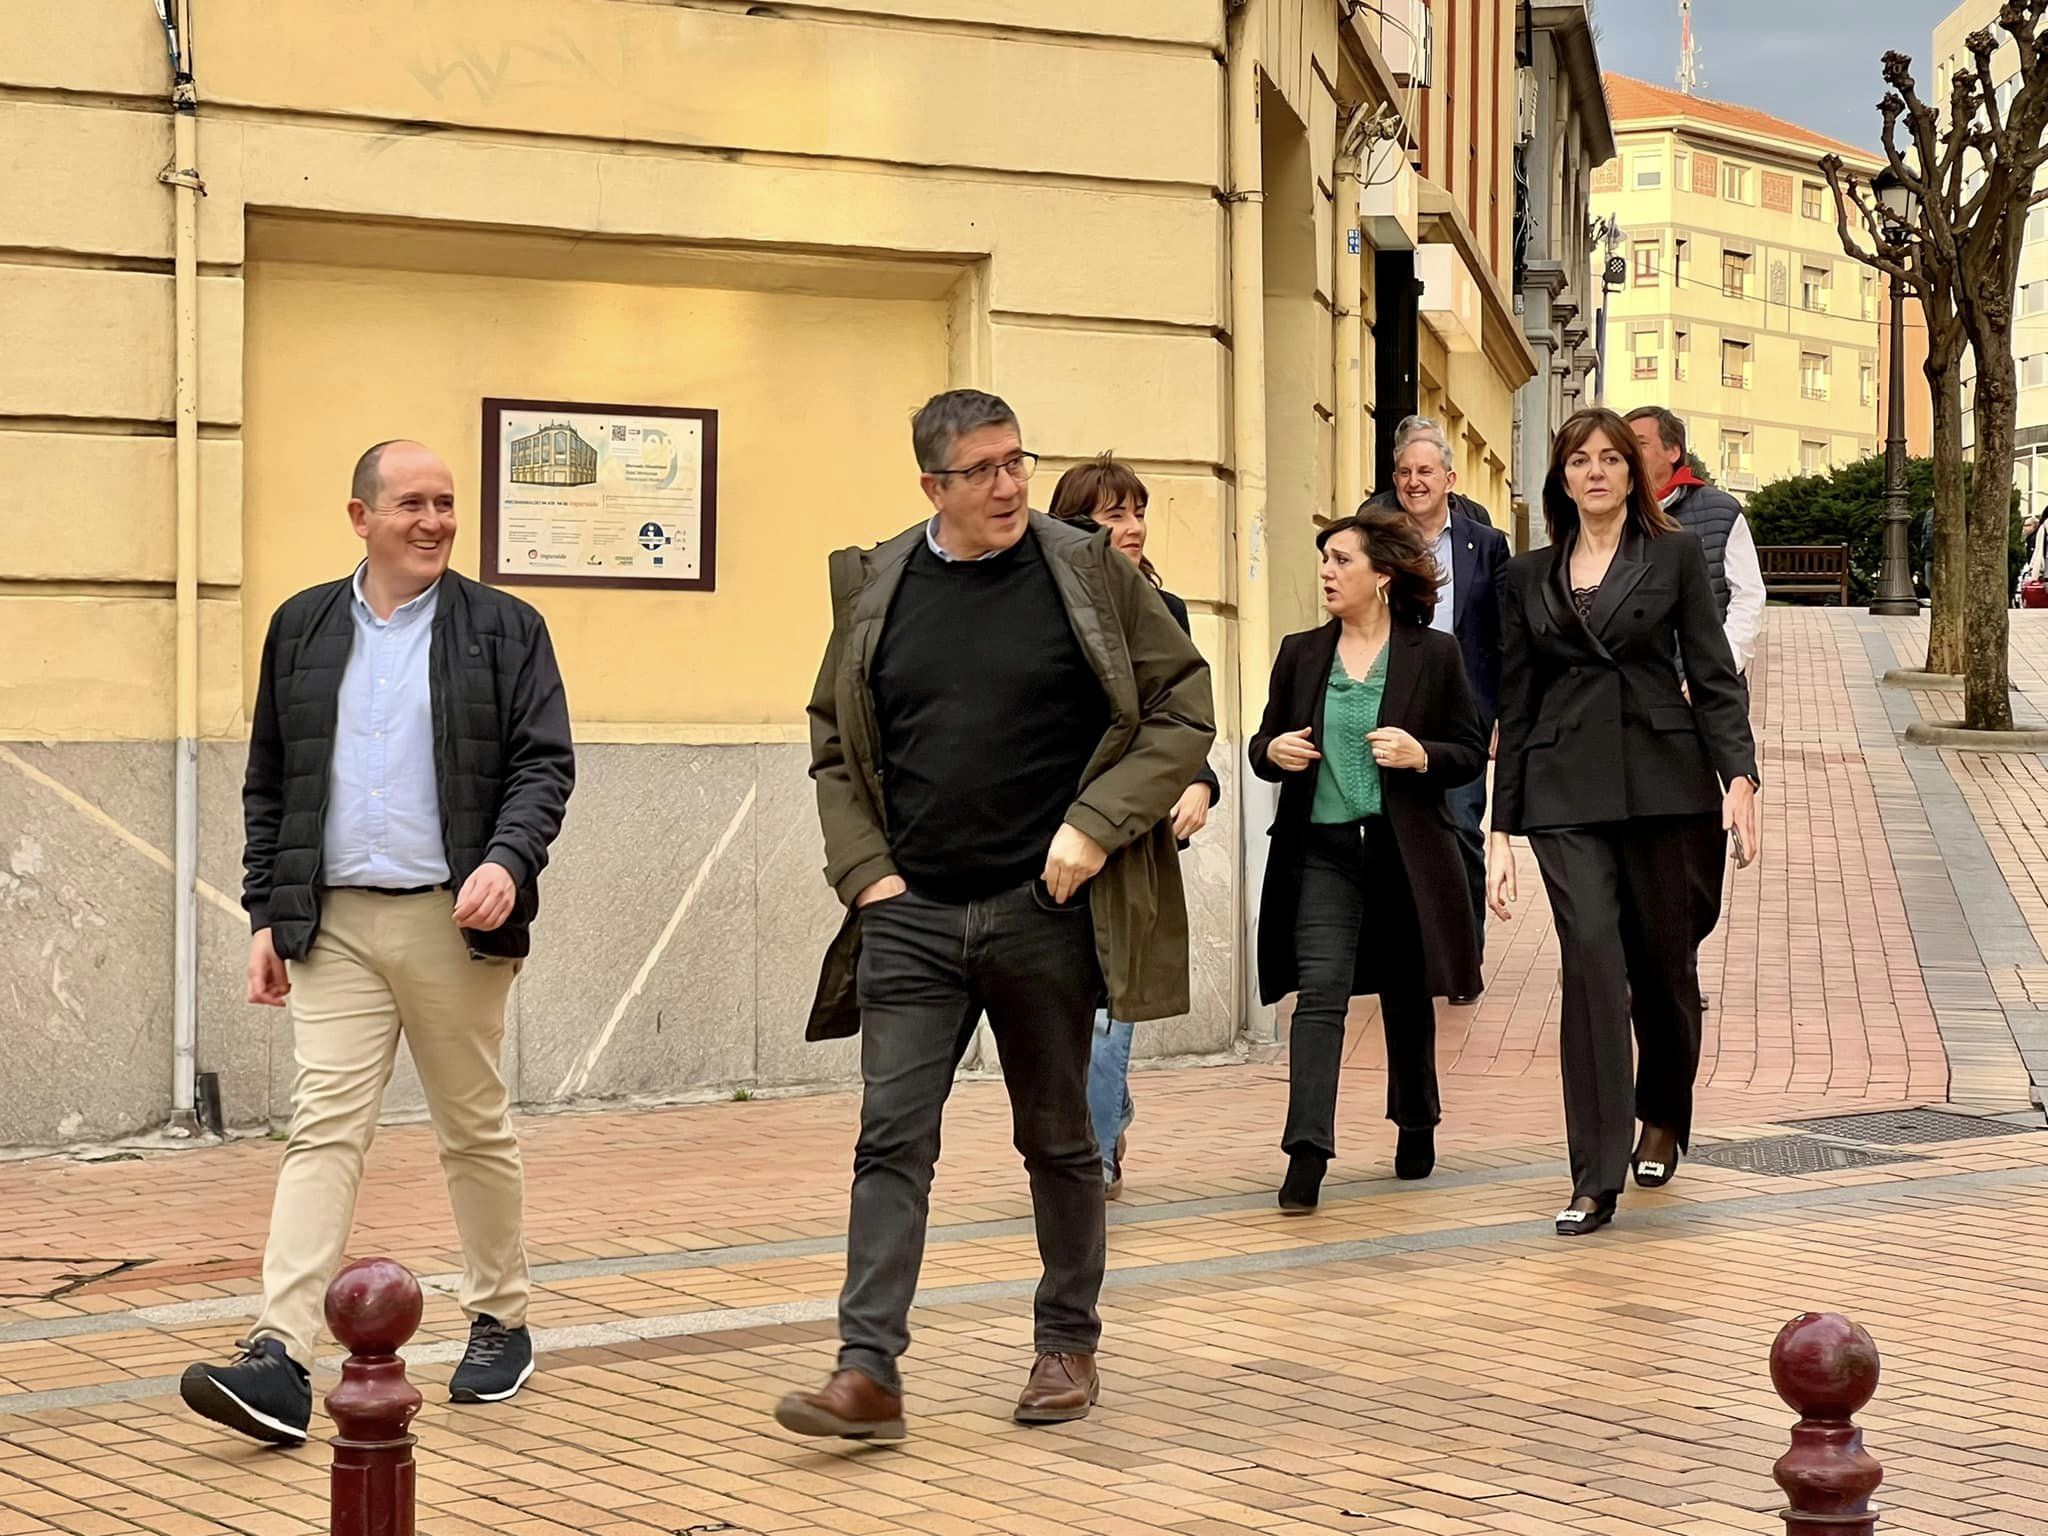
pixel 1109 1087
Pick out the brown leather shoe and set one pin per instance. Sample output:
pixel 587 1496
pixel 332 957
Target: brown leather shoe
pixel 849 1406
pixel 1062 1387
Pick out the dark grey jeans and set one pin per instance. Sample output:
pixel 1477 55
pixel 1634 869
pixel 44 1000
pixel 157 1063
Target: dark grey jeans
pixel 928 970
pixel 1355 899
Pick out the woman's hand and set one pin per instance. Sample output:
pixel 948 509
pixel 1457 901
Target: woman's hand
pixel 1293 752
pixel 1393 747
pixel 1501 889
pixel 1191 811
pixel 1739 815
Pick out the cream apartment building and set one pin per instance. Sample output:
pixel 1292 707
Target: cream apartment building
pixel 2030 313
pixel 1738 308
pixel 1158 227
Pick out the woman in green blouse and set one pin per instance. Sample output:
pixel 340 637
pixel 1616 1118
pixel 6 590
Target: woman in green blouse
pixel 1369 720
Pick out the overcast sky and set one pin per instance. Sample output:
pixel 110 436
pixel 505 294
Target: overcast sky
pixel 1813 62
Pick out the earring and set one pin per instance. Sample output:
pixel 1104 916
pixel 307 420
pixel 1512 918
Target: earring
pixel 1383 594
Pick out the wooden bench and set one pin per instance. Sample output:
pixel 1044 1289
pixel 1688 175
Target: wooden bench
pixel 1805 570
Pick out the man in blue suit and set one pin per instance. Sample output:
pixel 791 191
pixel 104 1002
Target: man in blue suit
pixel 1473 557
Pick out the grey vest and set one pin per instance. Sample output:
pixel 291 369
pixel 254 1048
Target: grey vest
pixel 1709 515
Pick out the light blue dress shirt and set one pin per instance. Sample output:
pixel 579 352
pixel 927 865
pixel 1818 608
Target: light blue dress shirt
pixel 383 795
pixel 1447 594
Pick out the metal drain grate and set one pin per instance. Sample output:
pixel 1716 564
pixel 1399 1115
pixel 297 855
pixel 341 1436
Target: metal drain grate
pixel 1790 1156
pixel 1910 1127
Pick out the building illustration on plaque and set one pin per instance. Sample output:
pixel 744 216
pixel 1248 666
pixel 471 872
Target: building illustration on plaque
pixel 555 455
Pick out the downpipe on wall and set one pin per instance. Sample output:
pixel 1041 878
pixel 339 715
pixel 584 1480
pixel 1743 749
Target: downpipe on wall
pixel 182 177
pixel 1254 654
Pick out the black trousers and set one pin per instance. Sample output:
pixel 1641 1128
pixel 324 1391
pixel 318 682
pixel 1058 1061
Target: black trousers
pixel 1356 904
pixel 1632 901
pixel 928 971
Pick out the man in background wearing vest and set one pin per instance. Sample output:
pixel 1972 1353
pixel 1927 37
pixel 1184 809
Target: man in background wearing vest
pixel 1715 519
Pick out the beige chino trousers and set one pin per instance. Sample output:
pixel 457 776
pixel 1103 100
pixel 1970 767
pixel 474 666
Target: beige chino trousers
pixel 382 966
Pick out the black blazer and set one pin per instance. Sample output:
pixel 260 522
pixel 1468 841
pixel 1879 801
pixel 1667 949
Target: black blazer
pixel 1207 775
pixel 1593 727
pixel 1427 696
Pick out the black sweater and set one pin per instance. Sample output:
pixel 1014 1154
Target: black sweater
pixel 989 713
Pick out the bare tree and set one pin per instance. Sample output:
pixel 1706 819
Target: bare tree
pixel 1916 265
pixel 1972 181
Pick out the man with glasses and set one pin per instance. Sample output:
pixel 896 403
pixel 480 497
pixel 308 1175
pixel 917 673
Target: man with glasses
pixel 1005 715
pixel 409 764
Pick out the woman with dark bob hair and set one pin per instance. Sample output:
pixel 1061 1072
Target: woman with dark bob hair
pixel 1104 492
pixel 1625 758
pixel 1369 720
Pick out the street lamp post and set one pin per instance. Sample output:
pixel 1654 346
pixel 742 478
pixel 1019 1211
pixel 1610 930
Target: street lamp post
pixel 1895 594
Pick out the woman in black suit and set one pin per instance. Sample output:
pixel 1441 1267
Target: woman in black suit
pixel 1369 720
pixel 1625 764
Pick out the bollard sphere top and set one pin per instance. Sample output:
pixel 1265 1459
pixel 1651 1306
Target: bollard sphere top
pixel 1824 1366
pixel 373 1306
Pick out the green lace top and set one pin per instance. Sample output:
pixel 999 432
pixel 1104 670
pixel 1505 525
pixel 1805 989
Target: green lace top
pixel 1348 780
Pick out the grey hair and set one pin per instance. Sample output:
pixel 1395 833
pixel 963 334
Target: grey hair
pixel 1420 429
pixel 947 417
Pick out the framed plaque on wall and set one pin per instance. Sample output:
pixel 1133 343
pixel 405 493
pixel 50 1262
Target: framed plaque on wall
pixel 583 495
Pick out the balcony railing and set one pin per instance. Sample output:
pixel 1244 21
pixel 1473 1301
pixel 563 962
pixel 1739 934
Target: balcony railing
pixel 1646 368
pixel 1734 380
pixel 1738 479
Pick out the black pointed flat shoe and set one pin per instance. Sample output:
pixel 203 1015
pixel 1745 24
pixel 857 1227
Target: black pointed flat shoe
pixel 1652 1173
pixel 1573 1222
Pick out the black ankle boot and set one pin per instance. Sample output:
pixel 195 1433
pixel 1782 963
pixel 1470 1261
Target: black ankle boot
pixel 1303 1186
pixel 1415 1154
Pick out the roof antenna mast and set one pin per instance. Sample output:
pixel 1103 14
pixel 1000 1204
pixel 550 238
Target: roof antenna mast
pixel 1689 81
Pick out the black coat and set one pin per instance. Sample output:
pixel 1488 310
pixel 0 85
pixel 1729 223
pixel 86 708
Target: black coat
pixel 1426 696
pixel 1207 776
pixel 1593 727
pixel 503 760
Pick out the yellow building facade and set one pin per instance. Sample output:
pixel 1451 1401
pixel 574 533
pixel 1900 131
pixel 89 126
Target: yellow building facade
pixel 1738 308
pixel 1133 222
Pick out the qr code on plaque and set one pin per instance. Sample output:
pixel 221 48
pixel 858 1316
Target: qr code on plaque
pixel 618 434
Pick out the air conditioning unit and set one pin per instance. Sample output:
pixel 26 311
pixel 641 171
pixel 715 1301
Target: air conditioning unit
pixel 1408 40
pixel 1525 105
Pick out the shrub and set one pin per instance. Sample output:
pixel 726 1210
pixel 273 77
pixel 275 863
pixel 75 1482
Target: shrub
pixel 1846 506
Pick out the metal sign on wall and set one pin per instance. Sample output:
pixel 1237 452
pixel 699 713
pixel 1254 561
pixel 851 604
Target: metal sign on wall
pixel 576 494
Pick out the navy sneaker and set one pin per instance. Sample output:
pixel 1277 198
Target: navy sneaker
pixel 496 1364
pixel 264 1394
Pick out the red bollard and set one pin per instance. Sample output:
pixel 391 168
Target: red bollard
pixel 1826 1368
pixel 373 1307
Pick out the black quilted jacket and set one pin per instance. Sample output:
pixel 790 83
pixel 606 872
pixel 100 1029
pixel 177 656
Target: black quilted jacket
pixel 502 753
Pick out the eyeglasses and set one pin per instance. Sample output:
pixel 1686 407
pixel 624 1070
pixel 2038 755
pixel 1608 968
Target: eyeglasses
pixel 981 476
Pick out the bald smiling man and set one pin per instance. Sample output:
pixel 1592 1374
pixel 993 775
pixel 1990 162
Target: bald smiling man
pixel 409 765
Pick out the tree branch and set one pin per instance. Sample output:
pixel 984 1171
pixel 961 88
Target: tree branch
pixel 1847 194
